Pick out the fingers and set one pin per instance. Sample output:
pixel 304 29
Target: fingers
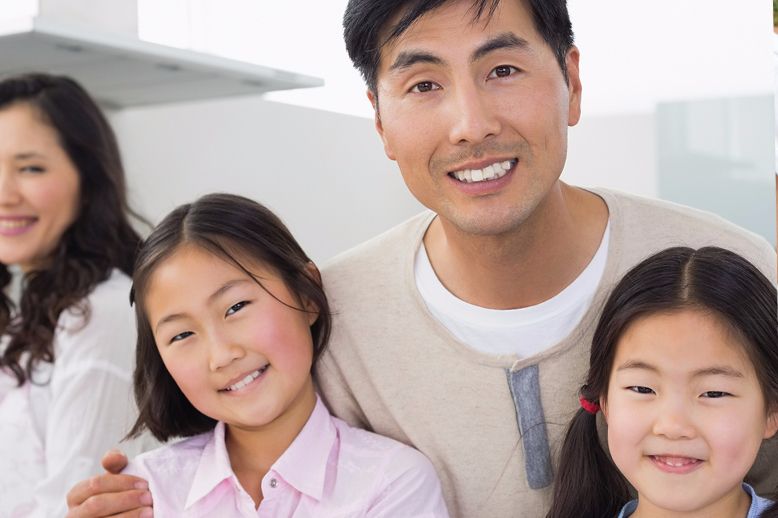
pixel 114 461
pixel 108 495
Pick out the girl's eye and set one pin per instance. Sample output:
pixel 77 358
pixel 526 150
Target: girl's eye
pixel 181 336
pixel 32 169
pixel 424 86
pixel 237 307
pixel 715 394
pixel 640 390
pixel 502 71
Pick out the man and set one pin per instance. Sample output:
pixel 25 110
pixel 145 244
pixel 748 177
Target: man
pixel 465 330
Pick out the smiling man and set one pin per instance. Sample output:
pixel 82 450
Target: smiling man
pixel 465 331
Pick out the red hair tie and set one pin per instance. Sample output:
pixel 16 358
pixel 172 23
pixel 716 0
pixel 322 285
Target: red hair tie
pixel 590 406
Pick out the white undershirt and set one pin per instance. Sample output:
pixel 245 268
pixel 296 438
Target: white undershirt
pixel 523 332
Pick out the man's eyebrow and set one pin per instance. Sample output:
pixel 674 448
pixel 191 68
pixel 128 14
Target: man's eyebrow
pixel 408 58
pixel 506 40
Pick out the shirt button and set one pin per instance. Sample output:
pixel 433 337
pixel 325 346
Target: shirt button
pixel 273 483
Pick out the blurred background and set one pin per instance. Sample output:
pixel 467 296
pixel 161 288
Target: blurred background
pixel 210 95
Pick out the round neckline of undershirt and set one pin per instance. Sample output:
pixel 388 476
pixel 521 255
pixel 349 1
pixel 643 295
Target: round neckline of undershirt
pixel 583 287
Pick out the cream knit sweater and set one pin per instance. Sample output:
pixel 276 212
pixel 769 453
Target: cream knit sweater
pixel 392 368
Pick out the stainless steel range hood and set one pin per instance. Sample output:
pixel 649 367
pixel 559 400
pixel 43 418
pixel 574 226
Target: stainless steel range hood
pixel 122 71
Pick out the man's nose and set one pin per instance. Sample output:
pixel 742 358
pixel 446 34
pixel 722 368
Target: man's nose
pixel 473 117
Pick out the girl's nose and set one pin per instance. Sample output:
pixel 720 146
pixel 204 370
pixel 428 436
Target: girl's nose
pixel 223 352
pixel 673 421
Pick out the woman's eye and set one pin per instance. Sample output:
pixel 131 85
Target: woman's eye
pixel 237 307
pixel 715 394
pixel 181 336
pixel 502 71
pixel 640 390
pixel 32 169
pixel 424 86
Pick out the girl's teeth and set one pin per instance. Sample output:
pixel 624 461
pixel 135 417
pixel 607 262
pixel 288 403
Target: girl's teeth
pixel 248 379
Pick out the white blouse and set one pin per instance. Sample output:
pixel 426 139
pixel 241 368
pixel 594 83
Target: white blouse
pixel 55 429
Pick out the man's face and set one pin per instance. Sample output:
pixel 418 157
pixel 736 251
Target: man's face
pixel 476 114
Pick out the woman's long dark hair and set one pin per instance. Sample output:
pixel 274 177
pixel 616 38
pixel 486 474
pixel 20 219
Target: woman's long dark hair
pixel 587 483
pixel 239 231
pixel 99 240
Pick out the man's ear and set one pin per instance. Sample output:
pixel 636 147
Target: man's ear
pixel 573 85
pixel 308 305
pixel 379 127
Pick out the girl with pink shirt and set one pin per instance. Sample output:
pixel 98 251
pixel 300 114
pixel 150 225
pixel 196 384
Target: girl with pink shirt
pixel 231 317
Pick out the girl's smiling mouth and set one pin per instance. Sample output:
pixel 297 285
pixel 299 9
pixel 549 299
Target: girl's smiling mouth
pixel 675 464
pixel 247 380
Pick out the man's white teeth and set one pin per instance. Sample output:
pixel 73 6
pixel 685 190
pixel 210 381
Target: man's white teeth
pixel 490 172
pixel 248 379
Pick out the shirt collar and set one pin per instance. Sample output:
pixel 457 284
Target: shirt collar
pixel 213 469
pixel 305 462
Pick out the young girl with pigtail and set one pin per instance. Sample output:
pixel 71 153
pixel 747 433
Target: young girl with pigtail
pixel 684 368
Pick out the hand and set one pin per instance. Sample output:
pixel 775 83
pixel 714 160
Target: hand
pixel 110 494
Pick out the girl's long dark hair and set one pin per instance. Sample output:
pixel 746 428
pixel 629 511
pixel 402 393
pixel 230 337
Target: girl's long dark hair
pixel 99 240
pixel 237 230
pixel 587 483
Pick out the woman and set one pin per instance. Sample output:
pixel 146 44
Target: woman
pixel 67 334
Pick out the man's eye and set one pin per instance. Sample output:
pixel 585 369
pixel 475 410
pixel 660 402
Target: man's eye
pixel 424 86
pixel 715 394
pixel 181 336
pixel 237 307
pixel 640 390
pixel 503 71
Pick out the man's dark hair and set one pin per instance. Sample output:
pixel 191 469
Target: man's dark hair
pixel 236 230
pixel 365 27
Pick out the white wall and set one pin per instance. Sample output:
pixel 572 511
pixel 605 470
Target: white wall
pixel 325 174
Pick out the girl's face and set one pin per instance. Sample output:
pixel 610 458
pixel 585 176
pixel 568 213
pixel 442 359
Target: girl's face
pixel 39 187
pixel 238 354
pixel 686 414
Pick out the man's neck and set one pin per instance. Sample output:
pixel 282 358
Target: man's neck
pixel 527 266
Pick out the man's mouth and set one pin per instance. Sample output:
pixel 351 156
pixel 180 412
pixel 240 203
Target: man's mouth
pixel 246 380
pixel 490 172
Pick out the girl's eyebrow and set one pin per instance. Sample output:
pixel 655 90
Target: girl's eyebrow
pixel 718 370
pixel 213 296
pixel 715 370
pixel 637 364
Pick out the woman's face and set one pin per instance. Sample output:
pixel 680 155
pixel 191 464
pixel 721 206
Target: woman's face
pixel 39 187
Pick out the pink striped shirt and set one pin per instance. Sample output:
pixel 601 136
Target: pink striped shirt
pixel 329 470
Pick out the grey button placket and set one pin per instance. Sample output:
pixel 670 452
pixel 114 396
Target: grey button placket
pixel 525 390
